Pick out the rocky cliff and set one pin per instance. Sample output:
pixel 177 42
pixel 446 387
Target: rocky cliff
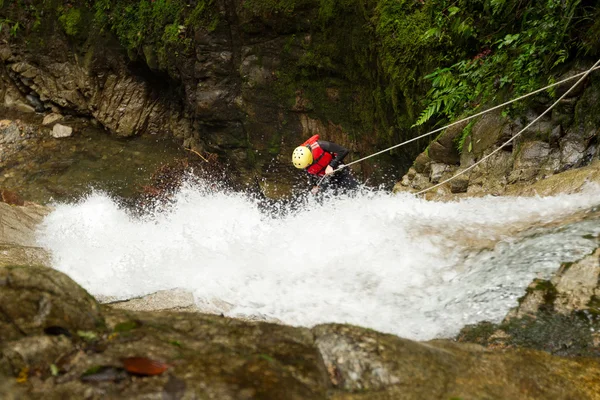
pixel 566 139
pixel 223 83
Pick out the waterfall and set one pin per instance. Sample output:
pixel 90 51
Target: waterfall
pixel 395 263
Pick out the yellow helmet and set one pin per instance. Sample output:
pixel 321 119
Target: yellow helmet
pixel 302 157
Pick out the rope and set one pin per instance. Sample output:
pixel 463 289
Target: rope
pixel 585 74
pixel 473 116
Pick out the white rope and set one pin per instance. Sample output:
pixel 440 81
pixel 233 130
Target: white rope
pixel 585 74
pixel 472 116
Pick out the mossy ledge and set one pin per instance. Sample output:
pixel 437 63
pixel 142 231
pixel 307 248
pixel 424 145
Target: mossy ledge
pixel 65 353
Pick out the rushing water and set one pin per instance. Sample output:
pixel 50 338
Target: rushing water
pixel 394 263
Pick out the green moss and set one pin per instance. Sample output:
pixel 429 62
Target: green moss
pixel 126 326
pixel 478 333
pixel 165 26
pixel 564 335
pixel 71 21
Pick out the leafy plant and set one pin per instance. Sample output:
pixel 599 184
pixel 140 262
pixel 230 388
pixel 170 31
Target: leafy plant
pixel 526 43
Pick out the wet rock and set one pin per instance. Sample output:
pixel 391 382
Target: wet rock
pixel 563 114
pixel 364 364
pixel 35 102
pixel 34 298
pixel 557 315
pixel 18 224
pixel 540 131
pixel 420 182
pixel 571 181
pixel 13 99
pixel 529 160
pixel 9 132
pixel 180 355
pixel 23 255
pixel 460 184
pixel 61 131
pixel 437 170
pixel 572 148
pixel 446 155
pixel 51 119
pixel 10 197
pixel 422 163
pixel 577 283
pixel 587 117
pixel 33 352
pixel 174 299
pixel 488 131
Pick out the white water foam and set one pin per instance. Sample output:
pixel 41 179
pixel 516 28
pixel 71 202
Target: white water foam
pixel 394 263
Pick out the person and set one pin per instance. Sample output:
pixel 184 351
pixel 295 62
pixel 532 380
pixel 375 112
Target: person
pixel 320 159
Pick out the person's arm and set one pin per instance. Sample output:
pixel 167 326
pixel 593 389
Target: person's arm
pixel 338 151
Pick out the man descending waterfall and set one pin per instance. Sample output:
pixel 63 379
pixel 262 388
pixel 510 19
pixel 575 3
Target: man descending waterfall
pixel 320 159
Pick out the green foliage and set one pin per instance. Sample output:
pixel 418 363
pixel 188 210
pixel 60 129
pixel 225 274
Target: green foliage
pixel 126 326
pixel 459 141
pixel 517 44
pixel 411 63
pixel 71 21
pixel 166 25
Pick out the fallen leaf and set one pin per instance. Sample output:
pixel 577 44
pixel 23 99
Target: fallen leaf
pixel 144 366
pixel 23 375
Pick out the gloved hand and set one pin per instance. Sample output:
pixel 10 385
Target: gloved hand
pixel 314 190
pixel 329 170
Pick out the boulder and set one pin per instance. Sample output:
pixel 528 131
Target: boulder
pixel 490 130
pixel 61 131
pixel 33 299
pixel 364 364
pixel 460 184
pixel 573 146
pixel 444 149
pixel 422 163
pixel 446 155
pixel 529 160
pixel 577 283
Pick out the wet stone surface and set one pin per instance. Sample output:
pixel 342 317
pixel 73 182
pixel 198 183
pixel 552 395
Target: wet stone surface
pixel 43 168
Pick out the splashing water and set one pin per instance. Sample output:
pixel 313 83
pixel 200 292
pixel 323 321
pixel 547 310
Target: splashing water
pixel 394 263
